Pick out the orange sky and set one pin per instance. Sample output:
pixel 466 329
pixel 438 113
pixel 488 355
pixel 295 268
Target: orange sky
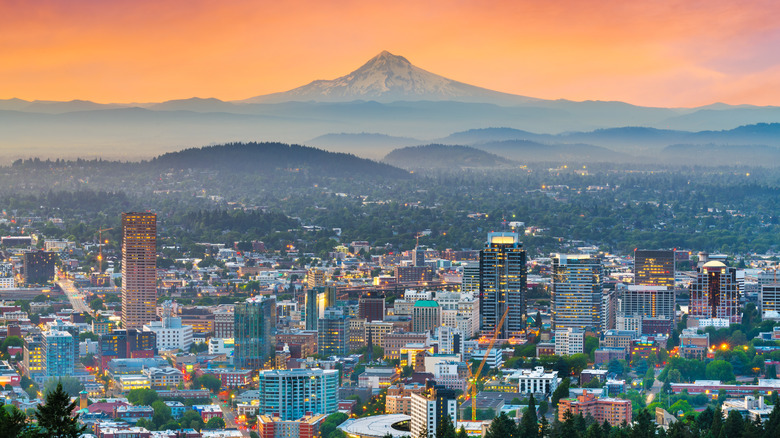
pixel 659 52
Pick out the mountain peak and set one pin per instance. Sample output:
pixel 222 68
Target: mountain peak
pixel 386 78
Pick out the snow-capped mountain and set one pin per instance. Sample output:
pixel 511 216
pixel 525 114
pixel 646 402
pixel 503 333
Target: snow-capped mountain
pixel 386 78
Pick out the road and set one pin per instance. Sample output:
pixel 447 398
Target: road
pixel 73 294
pixel 230 418
pixel 657 384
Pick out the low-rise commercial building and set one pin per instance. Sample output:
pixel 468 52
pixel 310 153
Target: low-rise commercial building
pixel 613 410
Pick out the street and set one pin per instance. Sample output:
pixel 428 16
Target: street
pixel 230 418
pixel 73 294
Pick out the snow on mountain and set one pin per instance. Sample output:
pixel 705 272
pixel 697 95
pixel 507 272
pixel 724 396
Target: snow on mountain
pixel 386 78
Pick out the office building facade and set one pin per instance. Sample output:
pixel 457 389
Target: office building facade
pixel 654 268
pixel 291 394
pixel 332 333
pixel 430 408
pixel 39 267
pixel 255 332
pixel 502 284
pixel 577 291
pixel 58 357
pixel 714 293
pixel 426 316
pixel 139 269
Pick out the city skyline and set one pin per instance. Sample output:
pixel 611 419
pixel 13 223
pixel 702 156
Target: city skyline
pixel 666 54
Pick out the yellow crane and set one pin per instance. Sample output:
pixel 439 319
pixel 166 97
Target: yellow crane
pixel 472 388
pixel 100 247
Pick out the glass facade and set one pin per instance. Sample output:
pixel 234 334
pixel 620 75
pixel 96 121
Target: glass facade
pixel 255 333
pixel 577 291
pixel 502 284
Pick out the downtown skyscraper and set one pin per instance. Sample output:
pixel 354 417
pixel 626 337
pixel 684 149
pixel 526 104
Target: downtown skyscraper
pixel 139 269
pixel 255 332
pixel 577 291
pixel 502 284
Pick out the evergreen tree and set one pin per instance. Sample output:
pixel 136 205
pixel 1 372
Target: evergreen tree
pixel 502 427
pixel 562 391
pixel 772 426
pixel 529 426
pixel 605 429
pixel 462 433
pixel 594 431
pixel 704 420
pixel 753 429
pixel 734 425
pixel 446 429
pixel 579 424
pixel 12 421
pixel 568 430
pixel 717 423
pixel 644 426
pixel 544 428
pixel 54 416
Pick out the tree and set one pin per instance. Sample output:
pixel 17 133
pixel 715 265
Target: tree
pixel 644 426
pixel 209 382
pixel 96 304
pixel 142 396
pixel 11 341
pixel 12 420
pixel 501 427
pixel 594 431
pixel 70 385
pixel 55 418
pixel 462 433
pixel 720 370
pixel 734 425
pixel 446 429
pixel 562 391
pixel 590 346
pixel 162 413
pixel 543 408
pixel 215 423
pixel 529 428
pixel 253 434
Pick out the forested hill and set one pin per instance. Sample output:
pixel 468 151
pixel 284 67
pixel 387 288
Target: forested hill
pixel 254 157
pixel 437 156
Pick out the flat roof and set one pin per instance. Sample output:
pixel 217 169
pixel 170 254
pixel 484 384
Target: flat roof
pixel 375 426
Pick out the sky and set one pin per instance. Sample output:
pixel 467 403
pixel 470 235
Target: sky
pixel 672 53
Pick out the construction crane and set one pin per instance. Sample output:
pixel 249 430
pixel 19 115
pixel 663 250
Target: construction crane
pixel 472 388
pixel 100 247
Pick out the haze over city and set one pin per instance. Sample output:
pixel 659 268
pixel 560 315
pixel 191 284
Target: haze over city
pixel 361 219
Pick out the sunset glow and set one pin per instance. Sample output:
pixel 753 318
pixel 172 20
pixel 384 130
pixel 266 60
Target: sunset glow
pixel 665 53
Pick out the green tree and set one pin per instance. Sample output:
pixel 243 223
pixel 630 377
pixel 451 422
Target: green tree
pixel 594 431
pixel 562 391
pixel 734 425
pixel 462 433
pixel 446 429
pixel 501 427
pixel 215 423
pixel 96 304
pixel 142 396
pixel 70 385
pixel 12 420
pixel 162 413
pixel 55 417
pixel 720 370
pixel 529 427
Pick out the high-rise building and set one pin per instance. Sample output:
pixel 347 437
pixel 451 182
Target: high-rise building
pixel 502 284
pixel 317 300
pixel 371 306
pixel 418 257
pixel 255 332
pixel 171 334
pixel 126 344
pixel 469 282
pixel 332 333
pixel 224 322
pixel 426 316
pixel 714 293
pixel 139 269
pixel 577 291
pixel 569 341
pixel 315 278
pixel 647 301
pixel 291 394
pixel 431 407
pixel 33 355
pixel 58 358
pixel 654 268
pixel 39 267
